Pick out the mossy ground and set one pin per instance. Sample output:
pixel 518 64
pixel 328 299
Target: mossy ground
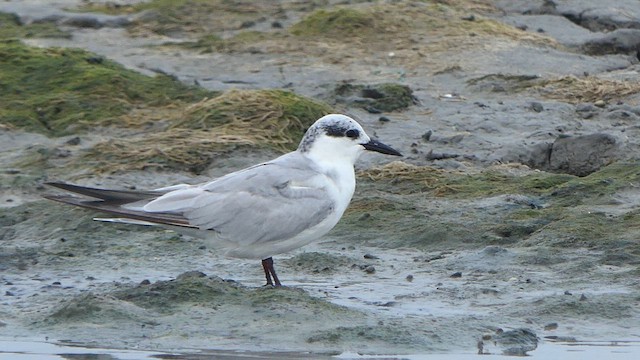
pixel 445 23
pixel 273 119
pixel 12 28
pixel 529 208
pixel 434 25
pixel 66 91
pixel 60 91
pixel 188 17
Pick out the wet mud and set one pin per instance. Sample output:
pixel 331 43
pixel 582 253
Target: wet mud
pixel 511 222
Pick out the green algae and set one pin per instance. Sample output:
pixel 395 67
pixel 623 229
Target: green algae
pixel 98 309
pixel 190 288
pixel 495 206
pixel 403 178
pixel 12 28
pixel 59 91
pixel 337 23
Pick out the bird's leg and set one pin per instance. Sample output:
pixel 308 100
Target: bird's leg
pixel 269 272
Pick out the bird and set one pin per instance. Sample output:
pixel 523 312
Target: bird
pixel 257 212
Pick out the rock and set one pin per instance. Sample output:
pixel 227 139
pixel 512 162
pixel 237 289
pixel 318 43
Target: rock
pixel 536 106
pixel 586 107
pixel 191 274
pixel 456 274
pixel 603 18
pixel 73 141
pixel 627 116
pixel 551 326
pixel 516 342
pixel 600 103
pixel 587 110
pixel 377 98
pixel 426 136
pixel 583 155
pixel 622 41
pixel 575 155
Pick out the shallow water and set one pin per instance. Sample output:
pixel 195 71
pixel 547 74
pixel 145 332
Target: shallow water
pixel 584 350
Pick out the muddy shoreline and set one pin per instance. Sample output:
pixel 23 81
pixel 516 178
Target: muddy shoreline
pixel 515 210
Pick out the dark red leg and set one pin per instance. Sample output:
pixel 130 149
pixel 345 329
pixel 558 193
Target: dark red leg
pixel 270 272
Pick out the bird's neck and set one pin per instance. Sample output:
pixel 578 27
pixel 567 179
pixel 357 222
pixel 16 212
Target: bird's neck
pixel 341 173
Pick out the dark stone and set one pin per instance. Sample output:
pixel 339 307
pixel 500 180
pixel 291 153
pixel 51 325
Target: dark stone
pixel 622 41
pixel 73 141
pixel 536 106
pixel 376 98
pixel 583 155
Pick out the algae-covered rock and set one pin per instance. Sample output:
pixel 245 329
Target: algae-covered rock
pixel 376 98
pixel 337 23
pixel 190 288
pixel 186 17
pixel 57 91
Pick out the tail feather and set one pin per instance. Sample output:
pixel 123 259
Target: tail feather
pixel 114 209
pixel 113 197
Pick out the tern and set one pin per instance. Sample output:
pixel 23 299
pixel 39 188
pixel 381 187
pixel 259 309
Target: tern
pixel 254 213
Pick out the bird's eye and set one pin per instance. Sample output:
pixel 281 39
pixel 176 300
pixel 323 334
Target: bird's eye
pixel 352 134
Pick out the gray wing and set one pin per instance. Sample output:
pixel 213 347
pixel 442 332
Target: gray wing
pixel 268 202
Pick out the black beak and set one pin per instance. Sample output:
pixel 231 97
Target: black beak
pixel 375 145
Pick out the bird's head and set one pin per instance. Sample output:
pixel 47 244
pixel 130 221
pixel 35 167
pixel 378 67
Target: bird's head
pixel 337 137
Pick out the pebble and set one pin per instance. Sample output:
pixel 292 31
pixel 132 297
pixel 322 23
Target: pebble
pixel 536 106
pixel 551 326
pixel 73 141
pixel 456 274
pixel 583 297
pixel 600 103
pixel 426 136
pixel 373 110
pixel 370 269
pixel 384 119
pixel 370 256
pixel 409 278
